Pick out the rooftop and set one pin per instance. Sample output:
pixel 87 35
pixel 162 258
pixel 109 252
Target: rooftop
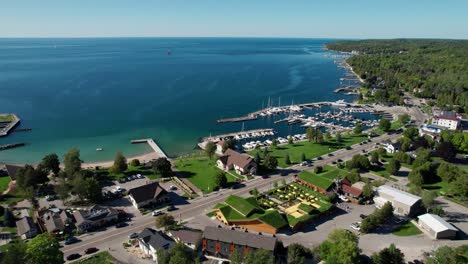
pixel 233 157
pixel 155 238
pixel 400 196
pixel 147 192
pixel 240 238
pixel 436 222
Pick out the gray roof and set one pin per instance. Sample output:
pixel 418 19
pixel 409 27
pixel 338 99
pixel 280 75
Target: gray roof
pixel 436 222
pixel 147 192
pixel 400 196
pixel 25 225
pixel 155 238
pixel 187 236
pixel 240 238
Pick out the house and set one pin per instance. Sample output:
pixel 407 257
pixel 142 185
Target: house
pixel 436 227
pixel 97 216
pixel 26 228
pixel 222 242
pixel 55 220
pixel 219 147
pixel 447 119
pixel 147 194
pixel 241 163
pixel 150 240
pixel 405 204
pixel 352 193
pixel 246 213
pixel 189 238
pixel 391 147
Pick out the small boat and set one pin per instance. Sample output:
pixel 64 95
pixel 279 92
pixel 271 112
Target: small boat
pixel 99 149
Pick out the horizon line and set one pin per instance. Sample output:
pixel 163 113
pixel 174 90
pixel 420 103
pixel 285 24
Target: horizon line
pixel 214 37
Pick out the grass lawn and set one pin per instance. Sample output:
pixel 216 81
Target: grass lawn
pixel 396 125
pixel 4 183
pixel 407 229
pixel 200 171
pixel 6 118
pixel 99 258
pixel 9 229
pixel 440 187
pixel 311 150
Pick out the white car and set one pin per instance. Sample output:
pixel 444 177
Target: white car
pixel 119 189
pixel 156 213
pixel 343 198
pixel 355 226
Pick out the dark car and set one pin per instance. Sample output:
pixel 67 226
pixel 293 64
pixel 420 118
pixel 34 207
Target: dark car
pixel 91 250
pixel 348 148
pixel 264 177
pixel 122 180
pixel 330 154
pixel 71 240
pixel 73 256
pixel 120 224
pixel 362 216
pixel 319 158
pixel 340 160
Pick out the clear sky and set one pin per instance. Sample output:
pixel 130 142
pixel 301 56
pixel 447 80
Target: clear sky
pixel 235 18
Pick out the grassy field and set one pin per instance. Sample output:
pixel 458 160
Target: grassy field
pixel 4 183
pixel 407 229
pixel 6 118
pixel 99 258
pixel 200 171
pixel 310 150
pixel 440 187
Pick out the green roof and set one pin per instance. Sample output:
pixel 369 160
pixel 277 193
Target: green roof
pixel 306 208
pixel 315 179
pixel 241 205
pixel 293 221
pixel 273 218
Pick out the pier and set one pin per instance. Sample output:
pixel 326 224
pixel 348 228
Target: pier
pixel 248 117
pixel 7 125
pixel 10 146
pixel 218 138
pixel 152 144
pixel 347 88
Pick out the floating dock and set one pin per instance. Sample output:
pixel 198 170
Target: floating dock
pixel 152 144
pixel 4 131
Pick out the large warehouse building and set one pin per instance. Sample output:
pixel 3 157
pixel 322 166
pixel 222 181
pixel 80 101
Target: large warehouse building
pixel 436 227
pixel 405 204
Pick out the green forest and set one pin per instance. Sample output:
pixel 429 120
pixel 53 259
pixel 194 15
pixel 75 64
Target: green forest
pixel 432 69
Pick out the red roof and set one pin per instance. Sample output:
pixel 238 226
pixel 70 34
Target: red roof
pixel 446 118
pixel 351 190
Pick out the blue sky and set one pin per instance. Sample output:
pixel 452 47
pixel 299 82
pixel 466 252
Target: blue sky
pixel 235 18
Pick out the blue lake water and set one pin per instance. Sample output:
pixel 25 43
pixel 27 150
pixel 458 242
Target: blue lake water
pixel 91 93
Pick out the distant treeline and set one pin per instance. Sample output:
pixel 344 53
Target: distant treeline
pixel 436 69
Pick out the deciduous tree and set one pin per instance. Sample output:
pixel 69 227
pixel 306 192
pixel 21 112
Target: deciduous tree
pixel 165 221
pixel 389 255
pixel 51 163
pixel 341 247
pixel 163 167
pixel 210 149
pixel 44 248
pixel 120 163
pixel 385 124
pixel 220 180
pixel 72 162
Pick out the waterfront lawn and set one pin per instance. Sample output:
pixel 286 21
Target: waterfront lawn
pixel 6 118
pixel 4 181
pixel 200 171
pixel 407 229
pixel 310 149
pixel 99 258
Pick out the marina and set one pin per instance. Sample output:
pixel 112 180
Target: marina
pixel 7 123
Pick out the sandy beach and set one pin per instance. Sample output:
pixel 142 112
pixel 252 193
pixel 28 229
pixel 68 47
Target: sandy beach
pixel 143 158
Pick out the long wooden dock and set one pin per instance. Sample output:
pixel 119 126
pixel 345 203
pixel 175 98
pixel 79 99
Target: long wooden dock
pixel 152 144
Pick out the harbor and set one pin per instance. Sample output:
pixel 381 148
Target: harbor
pixel 7 123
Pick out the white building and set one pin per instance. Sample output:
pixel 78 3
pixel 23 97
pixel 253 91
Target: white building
pixel 436 227
pixel 150 240
pixel 391 147
pixel 405 204
pixel 447 119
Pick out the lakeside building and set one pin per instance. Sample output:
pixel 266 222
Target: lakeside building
pixel 436 227
pixel 150 240
pixel 220 242
pixel 246 213
pixel 26 228
pixel 148 194
pixel 241 163
pixel 447 119
pixel 405 204
pixel 97 216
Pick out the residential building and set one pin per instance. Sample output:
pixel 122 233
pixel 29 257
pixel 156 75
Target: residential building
pixel 54 220
pixel 436 227
pixel 447 119
pixel 189 238
pixel 222 242
pixel 246 213
pixel 405 204
pixel 391 147
pixel 241 163
pixel 150 240
pixel 352 193
pixel 96 217
pixel 26 228
pixel 147 194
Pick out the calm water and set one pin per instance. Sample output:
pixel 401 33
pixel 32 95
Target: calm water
pixel 90 93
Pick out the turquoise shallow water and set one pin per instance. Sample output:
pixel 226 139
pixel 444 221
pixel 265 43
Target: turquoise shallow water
pixel 90 93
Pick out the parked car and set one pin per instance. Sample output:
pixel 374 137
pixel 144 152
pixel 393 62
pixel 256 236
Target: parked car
pixel 120 224
pixel 122 180
pixel 355 226
pixel 348 148
pixel 156 213
pixel 304 163
pixel 134 177
pixel 73 256
pixel 50 197
pixel 343 198
pixel 91 250
pixel 70 240
pixel 264 177
pixel 171 208
pixel 362 216
pixel 133 235
pixel 129 178
pixel 140 176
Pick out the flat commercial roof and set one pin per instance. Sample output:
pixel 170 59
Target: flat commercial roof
pixel 436 222
pixel 400 196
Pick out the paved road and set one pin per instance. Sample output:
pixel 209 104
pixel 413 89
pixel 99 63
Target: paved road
pixel 194 207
